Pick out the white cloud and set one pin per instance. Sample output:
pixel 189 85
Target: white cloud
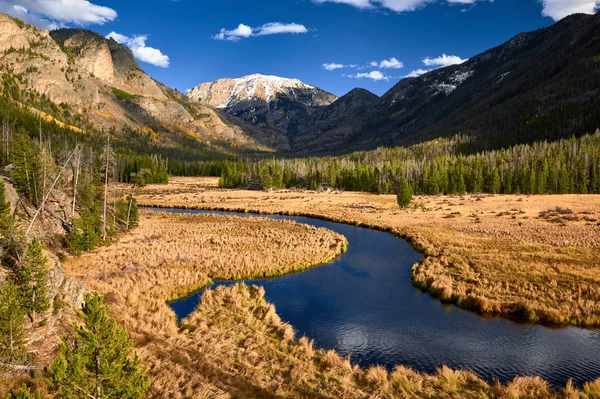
pixel 404 5
pixel 434 63
pixel 355 3
pixel 333 66
pixel 443 61
pixel 55 13
pixel 137 44
pixel 373 75
pixel 417 72
pixel 274 28
pixel 558 9
pixel 271 28
pixel 394 5
pixel 392 63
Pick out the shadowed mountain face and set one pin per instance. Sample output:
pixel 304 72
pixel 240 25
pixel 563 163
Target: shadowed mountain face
pixel 538 85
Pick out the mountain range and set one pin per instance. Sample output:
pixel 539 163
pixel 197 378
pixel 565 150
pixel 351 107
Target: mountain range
pixel 539 85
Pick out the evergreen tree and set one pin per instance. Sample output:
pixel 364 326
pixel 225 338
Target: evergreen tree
pixel 287 176
pixel 12 320
pixel 98 362
pixel 461 187
pixel 266 181
pixel 4 204
pixel 86 233
pixel 540 183
pixel 31 279
pixel 25 393
pixel 123 210
pixel 405 194
pixel 552 180
pixel 6 220
pixel 564 181
pixel 11 237
pixel 495 186
pixel 277 175
pixel 27 172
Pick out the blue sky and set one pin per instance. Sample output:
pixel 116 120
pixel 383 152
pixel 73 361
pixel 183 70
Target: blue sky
pixel 334 44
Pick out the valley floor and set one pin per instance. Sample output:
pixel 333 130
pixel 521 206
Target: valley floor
pixel 531 257
pixel 490 253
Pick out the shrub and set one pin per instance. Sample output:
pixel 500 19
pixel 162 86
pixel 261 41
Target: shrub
pixel 123 95
pixel 405 194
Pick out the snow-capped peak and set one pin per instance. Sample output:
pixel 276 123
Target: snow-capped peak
pixel 225 92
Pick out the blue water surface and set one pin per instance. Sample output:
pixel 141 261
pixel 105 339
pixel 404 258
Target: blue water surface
pixel 364 305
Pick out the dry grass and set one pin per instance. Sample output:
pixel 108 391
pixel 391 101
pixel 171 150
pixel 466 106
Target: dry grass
pixel 171 255
pixel 234 345
pixel 493 254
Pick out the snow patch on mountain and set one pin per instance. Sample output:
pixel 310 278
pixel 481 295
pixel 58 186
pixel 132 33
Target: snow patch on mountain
pixel 458 78
pixel 224 93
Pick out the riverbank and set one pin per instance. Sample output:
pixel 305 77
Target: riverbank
pixel 234 344
pixel 535 258
pixel 169 256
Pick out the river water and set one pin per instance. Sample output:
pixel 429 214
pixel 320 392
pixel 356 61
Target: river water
pixel 364 305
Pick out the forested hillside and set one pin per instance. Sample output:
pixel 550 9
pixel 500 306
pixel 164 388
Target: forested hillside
pixel 445 166
pixel 542 85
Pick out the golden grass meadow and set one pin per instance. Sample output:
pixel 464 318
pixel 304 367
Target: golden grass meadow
pixel 498 254
pixel 535 258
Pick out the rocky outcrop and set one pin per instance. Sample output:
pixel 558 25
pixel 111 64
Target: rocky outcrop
pixel 61 288
pixel 98 84
pixel 11 34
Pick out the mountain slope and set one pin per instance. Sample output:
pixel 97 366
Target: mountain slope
pixel 332 119
pixel 265 101
pixel 84 80
pixel 539 85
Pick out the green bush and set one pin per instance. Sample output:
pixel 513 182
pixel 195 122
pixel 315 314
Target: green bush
pixel 405 194
pixel 123 95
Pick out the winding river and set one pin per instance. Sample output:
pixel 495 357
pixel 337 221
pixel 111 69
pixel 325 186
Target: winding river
pixel 363 305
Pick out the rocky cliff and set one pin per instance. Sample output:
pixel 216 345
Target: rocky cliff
pixel 96 84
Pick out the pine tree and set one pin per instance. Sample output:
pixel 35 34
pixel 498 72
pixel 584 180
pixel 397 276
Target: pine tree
pixel 12 320
pixel 25 393
pixel 4 204
pixel 98 362
pixel 461 187
pixel 6 219
pixel 11 237
pixel 266 181
pixel 404 195
pixel 122 210
pixel 540 183
pixel 27 172
pixel 495 185
pixel 31 279
pixel 277 175
pixel 86 233
pixel 564 183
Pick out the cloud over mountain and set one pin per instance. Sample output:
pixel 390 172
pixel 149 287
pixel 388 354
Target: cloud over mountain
pixel 272 28
pixel 51 14
pixel 137 44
